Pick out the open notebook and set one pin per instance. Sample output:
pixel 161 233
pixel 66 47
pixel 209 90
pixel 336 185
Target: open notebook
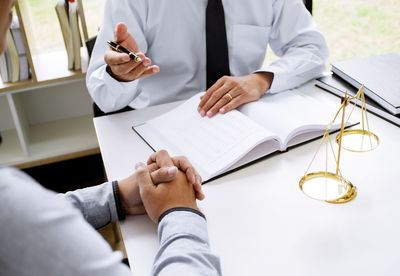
pixel 225 142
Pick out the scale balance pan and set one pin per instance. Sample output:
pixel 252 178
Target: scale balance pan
pixel 328 187
pixel 358 140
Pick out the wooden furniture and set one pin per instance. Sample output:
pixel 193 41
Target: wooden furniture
pixel 47 118
pixel 259 221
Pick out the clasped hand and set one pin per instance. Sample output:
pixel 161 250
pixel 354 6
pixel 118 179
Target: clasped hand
pixel 163 183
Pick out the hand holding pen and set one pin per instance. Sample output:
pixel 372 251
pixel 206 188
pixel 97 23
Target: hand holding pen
pixel 121 49
pixel 125 61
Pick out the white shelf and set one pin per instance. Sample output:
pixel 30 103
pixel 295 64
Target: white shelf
pixel 43 119
pixel 50 142
pixel 62 137
pixel 11 152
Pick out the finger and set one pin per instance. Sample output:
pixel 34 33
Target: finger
pixel 210 91
pixel 143 177
pixel 235 103
pixel 152 167
pixel 121 32
pixel 200 195
pixel 151 70
pixel 144 60
pixel 199 190
pixel 184 165
pixel 115 58
pixel 216 96
pixel 223 101
pixel 199 181
pixel 126 68
pixel 161 158
pixel 152 159
pixel 134 70
pixel 123 69
pixel 123 37
pixel 140 69
pixel 164 174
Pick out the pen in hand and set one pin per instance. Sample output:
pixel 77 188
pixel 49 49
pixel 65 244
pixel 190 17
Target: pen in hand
pixel 120 49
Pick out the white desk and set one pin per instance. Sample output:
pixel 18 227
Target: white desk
pixel 260 223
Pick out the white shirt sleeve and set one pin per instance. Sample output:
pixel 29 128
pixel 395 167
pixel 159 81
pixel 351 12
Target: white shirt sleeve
pixel 108 93
pixel 301 47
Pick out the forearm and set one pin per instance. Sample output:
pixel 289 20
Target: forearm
pixel 184 246
pixel 108 93
pixel 97 204
pixel 296 66
pixel 301 47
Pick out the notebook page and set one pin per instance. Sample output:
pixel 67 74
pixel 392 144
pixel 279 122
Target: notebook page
pixel 290 113
pixel 211 144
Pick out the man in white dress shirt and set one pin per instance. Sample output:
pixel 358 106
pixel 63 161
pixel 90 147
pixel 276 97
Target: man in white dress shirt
pixel 170 38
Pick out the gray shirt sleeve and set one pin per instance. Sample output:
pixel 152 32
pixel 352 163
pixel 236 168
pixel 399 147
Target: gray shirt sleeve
pixel 184 246
pixel 42 233
pixel 97 204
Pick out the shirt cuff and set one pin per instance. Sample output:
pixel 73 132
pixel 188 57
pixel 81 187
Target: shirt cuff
pixel 118 204
pixel 187 209
pixel 279 83
pixel 108 93
pixel 182 222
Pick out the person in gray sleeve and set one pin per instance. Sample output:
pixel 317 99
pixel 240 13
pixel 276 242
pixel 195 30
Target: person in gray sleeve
pixel 43 233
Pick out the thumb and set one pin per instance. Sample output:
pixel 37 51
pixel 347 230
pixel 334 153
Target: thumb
pixel 121 32
pixel 143 177
pixel 122 36
pixel 164 174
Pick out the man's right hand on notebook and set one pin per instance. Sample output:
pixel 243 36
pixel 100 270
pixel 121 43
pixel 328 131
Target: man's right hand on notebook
pixel 120 66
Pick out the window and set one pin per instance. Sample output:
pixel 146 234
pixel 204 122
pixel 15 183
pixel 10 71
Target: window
pixel 359 28
pixel 356 28
pixel 46 29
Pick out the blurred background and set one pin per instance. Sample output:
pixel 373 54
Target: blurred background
pixel 355 28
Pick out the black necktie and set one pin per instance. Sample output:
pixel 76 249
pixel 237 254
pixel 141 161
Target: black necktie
pixel 216 42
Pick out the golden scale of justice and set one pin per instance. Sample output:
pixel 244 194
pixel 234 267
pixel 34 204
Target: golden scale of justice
pixel 332 187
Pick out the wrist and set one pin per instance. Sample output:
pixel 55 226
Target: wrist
pixel 264 81
pixel 118 201
pixel 129 196
pixel 180 209
pixel 111 73
pixel 114 76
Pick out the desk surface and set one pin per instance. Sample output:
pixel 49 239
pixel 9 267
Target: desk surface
pixel 260 223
